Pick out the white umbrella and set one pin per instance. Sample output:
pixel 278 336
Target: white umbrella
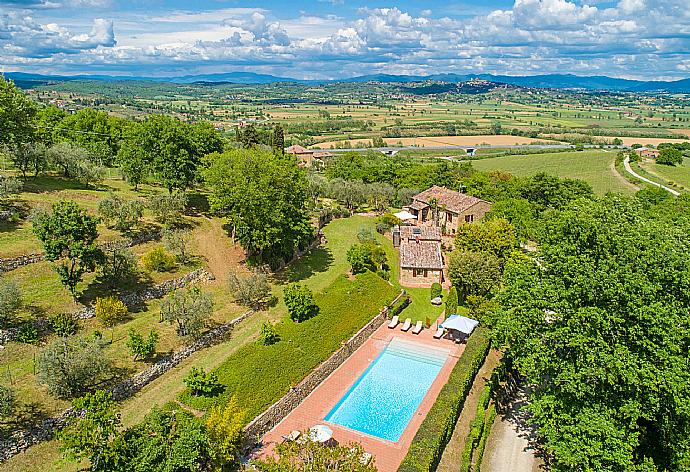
pixel 320 433
pixel 460 323
pixel 405 215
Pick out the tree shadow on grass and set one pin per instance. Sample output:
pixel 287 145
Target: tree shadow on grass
pixel 50 183
pixel 317 261
pixel 100 288
pixel 25 416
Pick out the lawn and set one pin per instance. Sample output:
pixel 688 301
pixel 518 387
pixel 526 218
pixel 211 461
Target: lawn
pixel 678 175
pixel 594 167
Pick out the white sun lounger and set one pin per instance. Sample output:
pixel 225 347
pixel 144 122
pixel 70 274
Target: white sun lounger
pixel 417 328
pixel 394 322
pixel 293 436
pixel 439 333
pixel 407 325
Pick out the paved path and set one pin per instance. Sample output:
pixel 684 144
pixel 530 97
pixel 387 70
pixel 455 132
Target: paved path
pixel 510 444
pixel 626 164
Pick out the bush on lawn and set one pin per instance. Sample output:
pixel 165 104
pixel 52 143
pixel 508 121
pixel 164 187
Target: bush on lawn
pixel 268 335
pixel 452 302
pixel 436 429
pixel 63 324
pixel 200 382
pixel 158 260
pixel 436 290
pixel 300 302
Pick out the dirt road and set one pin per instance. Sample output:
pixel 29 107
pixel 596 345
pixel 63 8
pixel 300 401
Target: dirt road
pixel 509 447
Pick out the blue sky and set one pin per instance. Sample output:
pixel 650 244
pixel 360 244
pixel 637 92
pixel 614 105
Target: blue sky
pixel 643 39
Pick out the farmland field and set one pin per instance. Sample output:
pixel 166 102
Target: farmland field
pixel 479 140
pixel 679 175
pixel 594 167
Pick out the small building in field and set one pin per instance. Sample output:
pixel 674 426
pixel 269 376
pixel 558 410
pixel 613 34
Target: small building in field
pixel 421 263
pixel 647 152
pixel 452 208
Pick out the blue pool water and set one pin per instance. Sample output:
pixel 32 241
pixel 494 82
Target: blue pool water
pixel 382 401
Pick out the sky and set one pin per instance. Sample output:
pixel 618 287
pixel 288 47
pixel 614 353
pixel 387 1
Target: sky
pixel 331 39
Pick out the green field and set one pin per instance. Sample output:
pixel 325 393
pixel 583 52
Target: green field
pixel 594 167
pixel 677 176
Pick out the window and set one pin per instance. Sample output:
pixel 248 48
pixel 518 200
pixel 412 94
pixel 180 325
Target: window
pixel 469 218
pixel 414 272
pixel 450 217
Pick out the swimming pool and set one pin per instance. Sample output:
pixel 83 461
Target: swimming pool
pixel 385 397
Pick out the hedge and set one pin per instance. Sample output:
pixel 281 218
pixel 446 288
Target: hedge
pixel 476 430
pixel 403 303
pixel 258 375
pixel 436 429
pixel 485 435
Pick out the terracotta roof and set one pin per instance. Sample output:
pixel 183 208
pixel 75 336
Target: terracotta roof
pixel 418 206
pixel 421 255
pixel 297 149
pixel 425 233
pixel 453 201
pixel 322 154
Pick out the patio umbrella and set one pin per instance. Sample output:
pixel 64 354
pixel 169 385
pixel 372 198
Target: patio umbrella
pixel 460 323
pixel 321 433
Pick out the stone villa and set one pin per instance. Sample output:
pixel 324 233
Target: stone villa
pixel 421 257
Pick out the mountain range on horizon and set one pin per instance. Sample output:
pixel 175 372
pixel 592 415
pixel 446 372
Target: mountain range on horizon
pixel 550 81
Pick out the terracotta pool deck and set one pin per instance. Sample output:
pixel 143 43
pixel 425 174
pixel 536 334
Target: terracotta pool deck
pixel 319 403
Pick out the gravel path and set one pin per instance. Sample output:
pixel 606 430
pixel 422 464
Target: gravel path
pixel 509 447
pixel 626 164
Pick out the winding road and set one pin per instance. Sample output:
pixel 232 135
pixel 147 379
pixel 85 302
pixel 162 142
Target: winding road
pixel 628 169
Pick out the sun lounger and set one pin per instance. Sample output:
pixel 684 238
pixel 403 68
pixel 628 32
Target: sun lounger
pixel 417 328
pixel 293 436
pixel 439 333
pixel 394 322
pixel 407 325
pixel 365 458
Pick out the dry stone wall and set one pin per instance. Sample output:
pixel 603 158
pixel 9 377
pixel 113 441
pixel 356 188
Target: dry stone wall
pixel 279 410
pixel 23 439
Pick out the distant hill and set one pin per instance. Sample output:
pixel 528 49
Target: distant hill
pixel 552 81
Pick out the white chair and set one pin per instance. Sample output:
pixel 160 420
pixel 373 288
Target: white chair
pixel 439 333
pixel 394 322
pixel 417 328
pixel 406 326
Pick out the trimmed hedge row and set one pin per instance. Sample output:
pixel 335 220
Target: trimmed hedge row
pixel 476 430
pixel 485 435
pixel 403 303
pixel 436 429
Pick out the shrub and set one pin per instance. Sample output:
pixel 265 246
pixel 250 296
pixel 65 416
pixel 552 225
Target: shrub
pixel 268 334
pixel 452 301
pixel 225 427
pixel 250 290
pixel 476 430
pixel 10 301
pixel 482 309
pixel 69 366
pixel 177 241
pixel 28 333
pixel 368 255
pixel 63 324
pixel 300 302
pixel 435 431
pixel 386 222
pixel 141 348
pixel 200 382
pixel 491 417
pixel 6 401
pixel 110 311
pixel 436 290
pixel 158 260
pixel 400 306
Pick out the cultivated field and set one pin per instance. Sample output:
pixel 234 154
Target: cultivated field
pixel 671 175
pixel 492 140
pixel 595 167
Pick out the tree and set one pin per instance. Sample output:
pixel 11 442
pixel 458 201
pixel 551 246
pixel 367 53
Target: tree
pixel 547 191
pixel 119 267
pixel 520 213
pixel 308 455
pixel 225 429
pixel 177 241
pixel 68 235
pixel 263 197
pixel 496 236
pixel 482 309
pixel 29 157
pixel 452 301
pixel 670 157
pixel 69 366
pixel 7 400
pixel 141 348
pixel 268 334
pixel 88 172
pixel 92 130
pixel 8 186
pixel 89 435
pixel 366 256
pixel 167 208
pixel 119 213
pixel 131 158
pixel 600 328
pixel 473 273
pixel 278 140
pixel 251 290
pixel 67 157
pixel 10 301
pixel 300 302
pixel 201 382
pixel 110 311
pixel 190 309
pixel 158 260
pixel 249 137
pixel 16 115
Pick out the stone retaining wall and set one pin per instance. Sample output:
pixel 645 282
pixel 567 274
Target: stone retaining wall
pixel 8 264
pixel 22 440
pixel 131 300
pixel 280 409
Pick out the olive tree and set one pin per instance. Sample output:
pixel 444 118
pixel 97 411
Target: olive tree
pixel 189 309
pixel 10 301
